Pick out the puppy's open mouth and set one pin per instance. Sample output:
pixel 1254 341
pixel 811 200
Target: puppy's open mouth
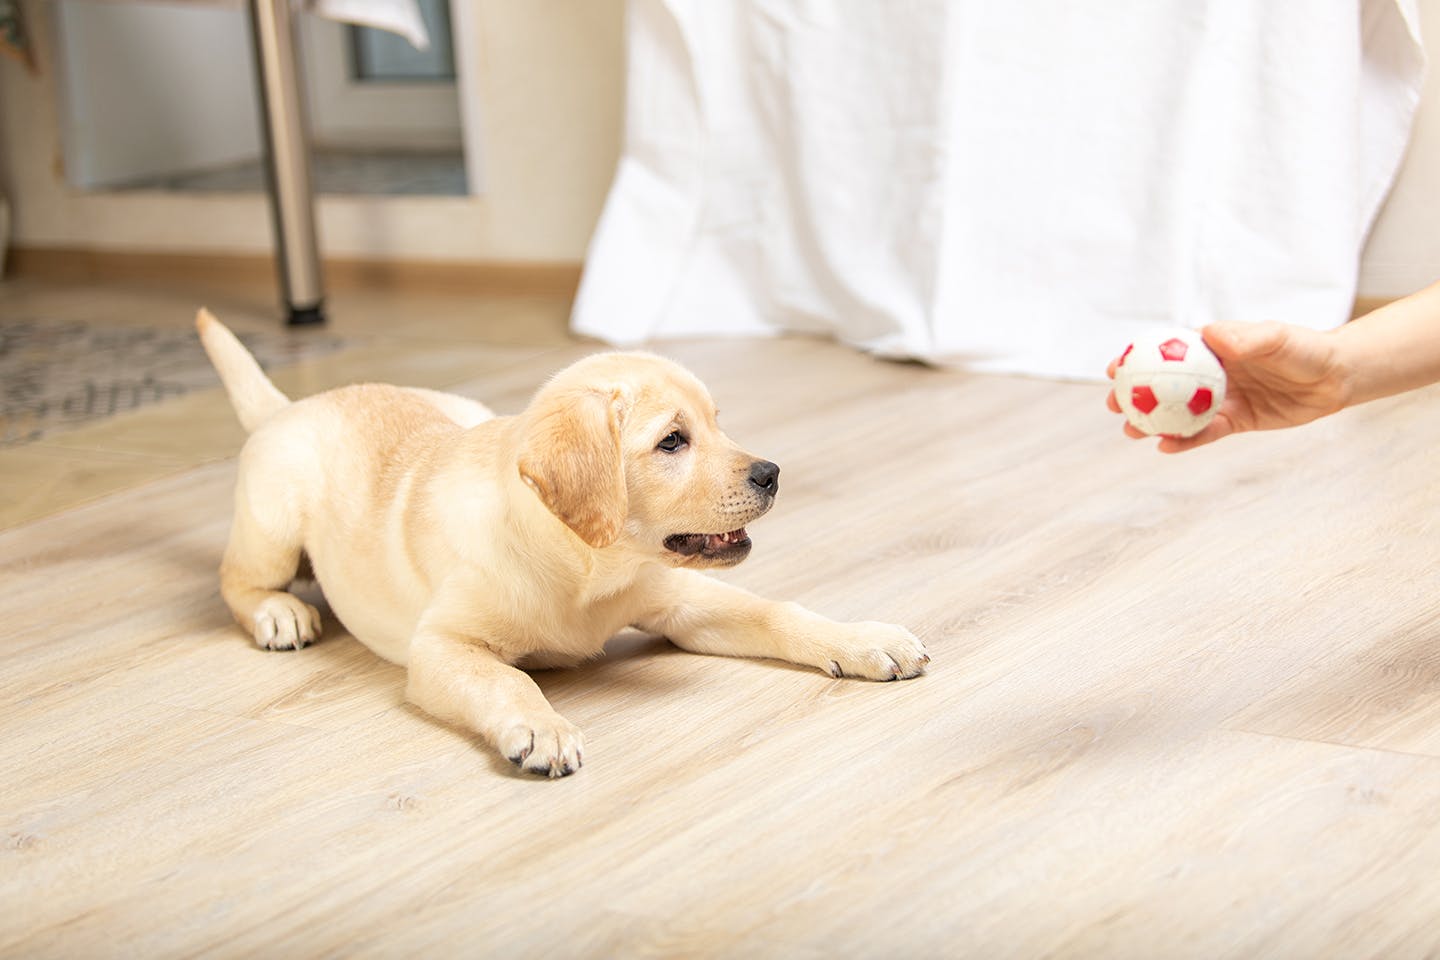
pixel 708 544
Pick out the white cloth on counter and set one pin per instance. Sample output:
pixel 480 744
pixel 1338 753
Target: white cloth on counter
pixel 396 16
pixel 1011 187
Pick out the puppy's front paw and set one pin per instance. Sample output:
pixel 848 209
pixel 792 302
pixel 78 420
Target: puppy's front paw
pixel 551 747
pixel 876 651
pixel 285 622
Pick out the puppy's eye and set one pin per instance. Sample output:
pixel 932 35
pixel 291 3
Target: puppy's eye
pixel 673 441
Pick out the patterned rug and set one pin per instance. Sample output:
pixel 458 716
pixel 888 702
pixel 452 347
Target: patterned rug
pixel 56 375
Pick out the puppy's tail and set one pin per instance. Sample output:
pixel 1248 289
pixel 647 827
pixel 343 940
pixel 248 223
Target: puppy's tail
pixel 252 394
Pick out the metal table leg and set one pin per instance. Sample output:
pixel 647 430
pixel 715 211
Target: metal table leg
pixel 288 160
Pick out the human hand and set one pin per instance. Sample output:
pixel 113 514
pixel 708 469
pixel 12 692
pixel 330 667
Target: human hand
pixel 1277 375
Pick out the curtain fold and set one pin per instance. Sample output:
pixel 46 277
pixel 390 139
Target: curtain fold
pixel 1010 187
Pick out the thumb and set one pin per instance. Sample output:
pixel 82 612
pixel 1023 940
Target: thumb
pixel 1236 340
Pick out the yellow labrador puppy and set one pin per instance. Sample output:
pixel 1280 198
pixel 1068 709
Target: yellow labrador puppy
pixel 465 545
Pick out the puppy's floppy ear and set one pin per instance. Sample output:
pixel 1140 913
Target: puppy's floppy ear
pixel 570 455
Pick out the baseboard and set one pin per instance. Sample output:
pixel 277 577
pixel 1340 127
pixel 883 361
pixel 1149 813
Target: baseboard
pixel 79 265
pixel 451 276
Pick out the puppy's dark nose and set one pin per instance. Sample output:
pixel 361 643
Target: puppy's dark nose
pixel 765 477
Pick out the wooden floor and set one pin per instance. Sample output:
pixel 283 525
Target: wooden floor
pixel 1178 707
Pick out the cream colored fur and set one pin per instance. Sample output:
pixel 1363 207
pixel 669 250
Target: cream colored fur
pixel 465 545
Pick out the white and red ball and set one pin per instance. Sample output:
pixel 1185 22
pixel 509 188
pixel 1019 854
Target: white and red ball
pixel 1169 383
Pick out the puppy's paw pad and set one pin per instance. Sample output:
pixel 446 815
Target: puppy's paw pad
pixel 878 651
pixel 552 747
pixel 285 622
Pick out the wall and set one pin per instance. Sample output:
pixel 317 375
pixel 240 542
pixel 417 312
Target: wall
pixel 131 114
pixel 550 79
pixel 1403 254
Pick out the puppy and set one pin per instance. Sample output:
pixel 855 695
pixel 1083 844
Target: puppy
pixel 465 545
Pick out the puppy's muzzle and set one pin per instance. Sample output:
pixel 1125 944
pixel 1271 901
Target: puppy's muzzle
pixel 726 549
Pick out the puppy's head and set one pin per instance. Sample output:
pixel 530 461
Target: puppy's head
pixel 624 448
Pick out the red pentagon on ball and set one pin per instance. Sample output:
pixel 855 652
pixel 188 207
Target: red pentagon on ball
pixel 1144 399
pixel 1201 401
pixel 1124 355
pixel 1174 349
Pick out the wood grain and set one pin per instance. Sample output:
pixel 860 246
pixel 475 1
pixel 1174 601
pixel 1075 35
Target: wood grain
pixel 1181 707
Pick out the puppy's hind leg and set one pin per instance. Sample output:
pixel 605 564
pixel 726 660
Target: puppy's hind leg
pixel 261 560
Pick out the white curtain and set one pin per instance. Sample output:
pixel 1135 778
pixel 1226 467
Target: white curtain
pixel 1011 186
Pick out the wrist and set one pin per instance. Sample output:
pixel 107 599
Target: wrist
pixel 1353 371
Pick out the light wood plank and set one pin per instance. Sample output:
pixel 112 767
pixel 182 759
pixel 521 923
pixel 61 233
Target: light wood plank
pixel 37 480
pixel 1383 692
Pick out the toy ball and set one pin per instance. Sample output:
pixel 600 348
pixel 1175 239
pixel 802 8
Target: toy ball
pixel 1169 383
